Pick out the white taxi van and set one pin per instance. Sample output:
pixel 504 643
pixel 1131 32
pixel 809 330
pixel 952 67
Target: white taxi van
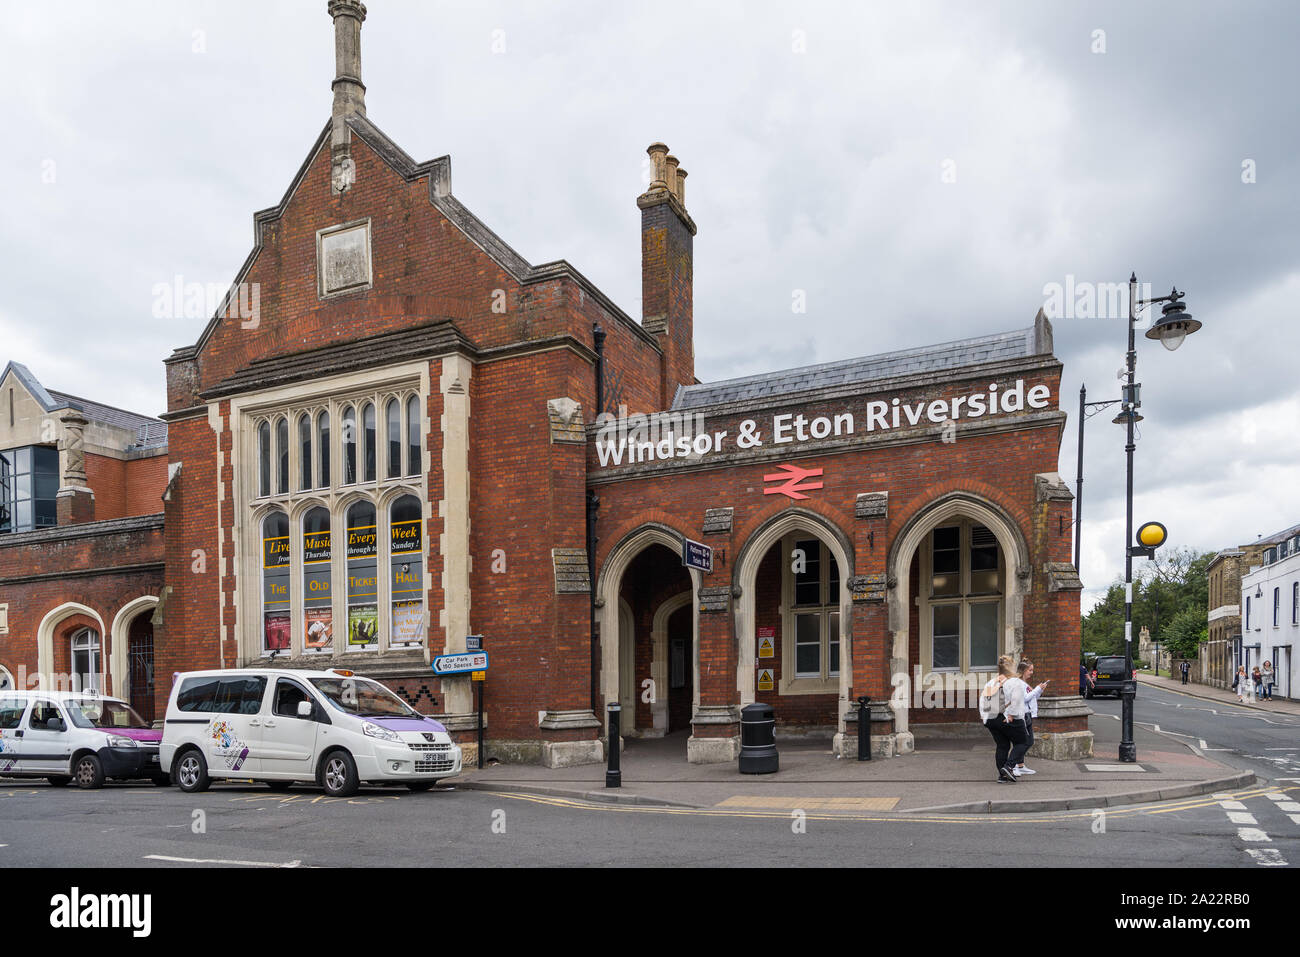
pixel 67 736
pixel 331 728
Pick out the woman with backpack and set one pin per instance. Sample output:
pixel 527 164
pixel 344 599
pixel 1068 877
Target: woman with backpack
pixel 1002 709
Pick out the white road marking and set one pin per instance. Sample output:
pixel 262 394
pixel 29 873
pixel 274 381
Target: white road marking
pixel 1295 818
pixel 1291 807
pixel 1252 834
pixel 217 860
pixel 1232 805
pixel 1242 817
pixel 1267 856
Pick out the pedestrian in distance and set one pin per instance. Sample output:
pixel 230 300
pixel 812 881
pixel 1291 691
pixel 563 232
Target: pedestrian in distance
pixel 1241 683
pixel 1257 682
pixel 1026 671
pixel 1083 679
pixel 1186 669
pixel 1267 675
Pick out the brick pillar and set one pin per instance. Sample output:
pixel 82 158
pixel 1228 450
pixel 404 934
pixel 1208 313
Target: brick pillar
pixel 872 643
pixel 715 725
pixel 75 500
pixel 1052 639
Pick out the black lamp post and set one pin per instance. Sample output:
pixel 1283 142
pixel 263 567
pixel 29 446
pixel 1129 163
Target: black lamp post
pixel 1173 326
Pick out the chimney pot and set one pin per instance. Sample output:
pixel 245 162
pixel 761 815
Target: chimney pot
pixel 658 172
pixel 681 185
pixel 670 173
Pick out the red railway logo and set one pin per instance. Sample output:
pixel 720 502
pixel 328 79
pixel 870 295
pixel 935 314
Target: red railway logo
pixel 793 481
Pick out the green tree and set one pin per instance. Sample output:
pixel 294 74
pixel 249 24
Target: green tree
pixel 1178 583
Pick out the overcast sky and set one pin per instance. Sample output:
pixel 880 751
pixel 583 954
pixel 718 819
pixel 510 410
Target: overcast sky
pixel 921 171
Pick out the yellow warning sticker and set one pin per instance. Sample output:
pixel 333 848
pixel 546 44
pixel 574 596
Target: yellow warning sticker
pixel 765 649
pixel 765 679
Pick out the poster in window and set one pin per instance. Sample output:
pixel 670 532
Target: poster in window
pixel 276 631
pixel 363 577
pixel 363 625
pixel 319 628
pixel 317 595
pixel 407 571
pixel 275 582
pixel 408 623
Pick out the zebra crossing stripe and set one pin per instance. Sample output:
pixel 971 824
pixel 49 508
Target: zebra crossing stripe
pixel 1267 856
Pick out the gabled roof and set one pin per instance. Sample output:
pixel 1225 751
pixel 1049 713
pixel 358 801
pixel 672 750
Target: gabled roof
pixel 149 432
pixel 439 172
pixel 962 353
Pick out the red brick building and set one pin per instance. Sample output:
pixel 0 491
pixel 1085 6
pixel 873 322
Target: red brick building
pixel 418 436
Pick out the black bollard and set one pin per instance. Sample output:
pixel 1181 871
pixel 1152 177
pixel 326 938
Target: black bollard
pixel 613 776
pixel 864 729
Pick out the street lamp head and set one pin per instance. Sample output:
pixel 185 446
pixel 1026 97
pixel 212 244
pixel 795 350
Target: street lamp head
pixel 1123 417
pixel 1175 323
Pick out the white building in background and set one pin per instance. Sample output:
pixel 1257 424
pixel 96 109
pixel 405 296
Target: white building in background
pixel 1270 612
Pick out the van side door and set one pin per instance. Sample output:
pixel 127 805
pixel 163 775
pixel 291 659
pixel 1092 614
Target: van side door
pixel 47 739
pixel 233 735
pixel 288 739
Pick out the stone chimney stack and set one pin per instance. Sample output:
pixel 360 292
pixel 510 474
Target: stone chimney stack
pixel 74 502
pixel 349 91
pixel 667 270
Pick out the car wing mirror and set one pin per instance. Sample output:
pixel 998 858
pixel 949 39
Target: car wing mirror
pixel 305 709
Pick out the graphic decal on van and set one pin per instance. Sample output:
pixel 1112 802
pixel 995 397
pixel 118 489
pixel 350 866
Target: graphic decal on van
pixel 228 747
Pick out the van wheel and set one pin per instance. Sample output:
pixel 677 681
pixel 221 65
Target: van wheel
pixel 59 780
pixel 89 772
pixel 421 785
pixel 338 774
pixel 191 772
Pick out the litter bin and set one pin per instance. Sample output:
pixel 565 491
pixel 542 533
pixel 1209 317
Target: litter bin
pixel 758 739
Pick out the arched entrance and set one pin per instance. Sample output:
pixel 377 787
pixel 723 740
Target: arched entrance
pixel 794 619
pixel 958 573
pixel 649 635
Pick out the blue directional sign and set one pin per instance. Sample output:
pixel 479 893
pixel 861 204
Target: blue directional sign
pixel 459 664
pixel 697 555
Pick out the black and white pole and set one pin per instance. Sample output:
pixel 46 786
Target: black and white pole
pixel 613 776
pixel 1127 747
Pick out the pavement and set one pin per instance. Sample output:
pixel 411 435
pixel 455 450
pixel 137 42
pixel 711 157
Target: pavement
pixel 1276 705
pixel 953 774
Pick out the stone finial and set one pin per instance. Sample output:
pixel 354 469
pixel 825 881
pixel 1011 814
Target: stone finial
pixel 74 469
pixel 349 91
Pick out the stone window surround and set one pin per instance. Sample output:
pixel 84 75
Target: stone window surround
pixel 791 683
pixel 925 604
pixel 246 412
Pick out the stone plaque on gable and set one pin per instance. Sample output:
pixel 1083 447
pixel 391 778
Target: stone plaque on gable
pixel 343 258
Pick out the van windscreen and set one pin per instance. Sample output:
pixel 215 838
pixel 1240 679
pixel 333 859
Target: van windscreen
pixel 363 698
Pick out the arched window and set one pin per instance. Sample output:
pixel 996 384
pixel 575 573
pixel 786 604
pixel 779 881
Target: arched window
pixel 961 589
pixel 282 453
pixel 363 577
pixel 413 462
pixel 275 582
pixel 85 660
pixel 264 459
pixel 323 444
pixel 406 556
pixel 318 613
pixel 393 430
pixel 368 426
pixel 349 445
pixel 304 451
pixel 813 595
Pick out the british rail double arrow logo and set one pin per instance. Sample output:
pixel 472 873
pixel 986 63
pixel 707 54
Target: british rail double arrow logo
pixel 795 481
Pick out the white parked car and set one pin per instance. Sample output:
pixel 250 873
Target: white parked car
pixel 281 726
pixel 69 736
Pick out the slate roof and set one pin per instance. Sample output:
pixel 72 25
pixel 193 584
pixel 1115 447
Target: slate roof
pixel 999 347
pixel 149 432
pixel 1278 537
